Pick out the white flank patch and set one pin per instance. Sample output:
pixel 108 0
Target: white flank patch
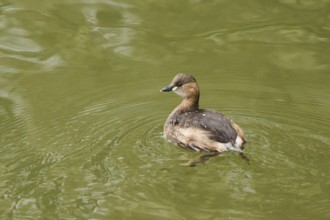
pixel 238 141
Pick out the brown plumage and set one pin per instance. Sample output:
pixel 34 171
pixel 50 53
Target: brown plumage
pixel 199 129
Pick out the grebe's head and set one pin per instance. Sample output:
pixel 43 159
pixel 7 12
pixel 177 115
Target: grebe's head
pixel 184 85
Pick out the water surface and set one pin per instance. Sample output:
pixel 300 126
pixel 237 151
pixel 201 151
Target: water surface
pixel 81 114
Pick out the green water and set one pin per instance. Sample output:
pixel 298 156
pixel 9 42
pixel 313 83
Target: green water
pixel 81 115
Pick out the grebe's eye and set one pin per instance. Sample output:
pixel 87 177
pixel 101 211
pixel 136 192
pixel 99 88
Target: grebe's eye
pixel 179 84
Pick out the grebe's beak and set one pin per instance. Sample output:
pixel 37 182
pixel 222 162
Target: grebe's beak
pixel 167 89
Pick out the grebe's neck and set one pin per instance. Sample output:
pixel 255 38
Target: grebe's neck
pixel 188 104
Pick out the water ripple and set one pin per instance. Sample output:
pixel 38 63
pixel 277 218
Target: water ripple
pixel 270 34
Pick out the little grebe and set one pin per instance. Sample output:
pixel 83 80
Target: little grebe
pixel 199 129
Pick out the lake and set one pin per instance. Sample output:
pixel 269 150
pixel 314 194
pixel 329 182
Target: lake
pixel 81 115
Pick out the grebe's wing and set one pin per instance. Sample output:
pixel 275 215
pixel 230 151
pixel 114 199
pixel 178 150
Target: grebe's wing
pixel 219 127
